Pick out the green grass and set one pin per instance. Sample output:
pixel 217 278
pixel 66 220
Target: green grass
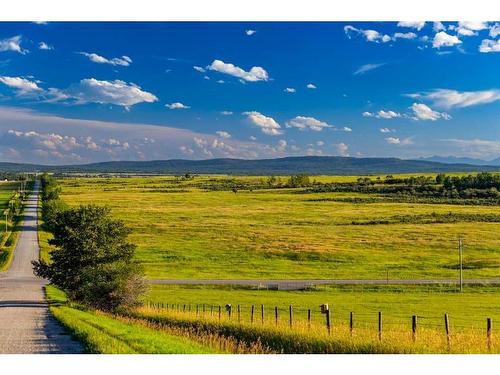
pixel 7 190
pixel 397 303
pixel 103 333
pixel 184 231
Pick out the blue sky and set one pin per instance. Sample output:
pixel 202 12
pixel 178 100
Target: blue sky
pixel 85 92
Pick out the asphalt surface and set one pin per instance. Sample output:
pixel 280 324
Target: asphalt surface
pixel 26 325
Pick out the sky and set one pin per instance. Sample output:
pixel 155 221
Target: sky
pixel 87 92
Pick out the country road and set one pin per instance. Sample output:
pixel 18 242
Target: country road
pixel 26 325
pixel 301 284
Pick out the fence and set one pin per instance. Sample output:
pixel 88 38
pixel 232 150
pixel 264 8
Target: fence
pixel 300 318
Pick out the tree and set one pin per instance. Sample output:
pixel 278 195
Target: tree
pixel 93 261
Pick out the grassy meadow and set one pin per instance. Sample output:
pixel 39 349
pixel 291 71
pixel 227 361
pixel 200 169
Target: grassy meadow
pixel 185 230
pixel 7 238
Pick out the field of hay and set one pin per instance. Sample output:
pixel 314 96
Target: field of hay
pixel 188 229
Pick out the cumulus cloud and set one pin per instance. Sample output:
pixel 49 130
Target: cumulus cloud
pixel 382 114
pixel 442 39
pixel 494 30
pixel 341 149
pixel 445 98
pixel 307 123
pixel 177 105
pixel 20 84
pixel 311 86
pixel 386 130
pixel 419 25
pixel 488 45
pixel 250 32
pixel 409 35
pixel 255 74
pixel 199 69
pixel 120 61
pixel 470 28
pixel 369 35
pixel 366 68
pixel 282 144
pixel 44 46
pixel 476 147
pixel 266 124
pixel 223 134
pixel 12 44
pixel 438 26
pixel 290 90
pixel 425 113
pixel 398 141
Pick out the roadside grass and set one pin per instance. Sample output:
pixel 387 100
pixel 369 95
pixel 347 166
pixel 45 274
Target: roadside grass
pixel 8 239
pixel 185 231
pixel 466 310
pixel 315 338
pixel 104 333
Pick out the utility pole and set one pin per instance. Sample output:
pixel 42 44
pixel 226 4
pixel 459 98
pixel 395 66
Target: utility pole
pixel 460 256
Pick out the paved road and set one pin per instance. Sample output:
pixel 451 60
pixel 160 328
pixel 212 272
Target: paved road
pixel 301 284
pixel 26 325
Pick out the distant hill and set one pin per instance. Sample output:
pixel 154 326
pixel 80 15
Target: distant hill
pixel 313 165
pixel 455 160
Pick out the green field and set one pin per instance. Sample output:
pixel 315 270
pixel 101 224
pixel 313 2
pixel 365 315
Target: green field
pixel 185 230
pixel 7 238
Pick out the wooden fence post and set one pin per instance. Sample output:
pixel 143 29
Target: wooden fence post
pixel 291 316
pixel 414 328
pixel 251 315
pixel 488 332
pixel 197 311
pixel 262 313
pixel 309 318
pixel 239 314
pixel 229 311
pixel 184 308
pixel 328 325
pixel 380 325
pixel 220 310
pixel 447 329
pixel 211 310
pixel 276 315
pixel 351 322
pixel 203 310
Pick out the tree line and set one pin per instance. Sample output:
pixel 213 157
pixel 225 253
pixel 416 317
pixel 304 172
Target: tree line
pixel 93 261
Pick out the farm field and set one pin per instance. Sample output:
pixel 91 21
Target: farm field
pixel 190 228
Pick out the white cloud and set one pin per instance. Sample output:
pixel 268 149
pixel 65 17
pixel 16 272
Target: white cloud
pixel 45 46
pixel 412 24
pixel 341 149
pixel 177 105
pixel 445 98
pixel 255 74
pixel 495 30
pixel 386 130
pixel 290 90
pixel 438 26
pixel 12 44
pixel 311 86
pixel 369 35
pixel 120 61
pixel 320 143
pixel 186 150
pixel 266 124
pixel 223 134
pixel 22 85
pixel 488 45
pixel 473 25
pixel 346 129
pixel 398 141
pixel 480 148
pixel 282 145
pixel 409 35
pixel 252 138
pixel 199 69
pixel 367 67
pixel 250 32
pixel 307 123
pixel 425 113
pixel 226 113
pixel 442 39
pixel 382 114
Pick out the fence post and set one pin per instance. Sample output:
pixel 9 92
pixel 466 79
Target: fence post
pixel 380 325
pixel 309 318
pixel 351 322
pixel 211 310
pixel 276 315
pixel 447 329
pixel 328 326
pixel 189 308
pixel 184 308
pixel 414 328
pixel 262 313
pixel 203 310
pixel 488 332
pixel 229 311
pixel 219 312
pixel 291 316
pixel 196 311
pixel 239 314
pixel 251 315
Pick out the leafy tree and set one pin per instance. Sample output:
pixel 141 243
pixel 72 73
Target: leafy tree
pixel 300 180
pixel 93 261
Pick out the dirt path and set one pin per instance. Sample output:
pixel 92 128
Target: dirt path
pixel 26 325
